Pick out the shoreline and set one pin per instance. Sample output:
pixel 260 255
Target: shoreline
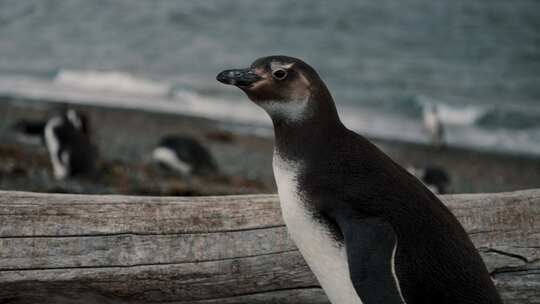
pixel 170 107
pixel 127 136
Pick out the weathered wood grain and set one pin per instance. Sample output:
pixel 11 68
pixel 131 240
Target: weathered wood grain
pixel 119 249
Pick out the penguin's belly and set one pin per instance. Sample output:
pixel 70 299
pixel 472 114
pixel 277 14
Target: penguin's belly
pixel 324 255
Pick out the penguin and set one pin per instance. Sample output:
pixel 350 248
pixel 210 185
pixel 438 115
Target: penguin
pixel 433 124
pixel 184 155
pixel 369 230
pixel 30 131
pixel 67 140
pixel 434 177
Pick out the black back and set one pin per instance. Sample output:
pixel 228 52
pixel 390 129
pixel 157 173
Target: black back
pixel 30 128
pixel 75 140
pixel 192 152
pixel 436 176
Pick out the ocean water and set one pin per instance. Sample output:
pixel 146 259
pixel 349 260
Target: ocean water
pixel 384 61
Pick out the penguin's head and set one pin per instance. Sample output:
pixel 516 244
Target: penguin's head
pixel 283 86
pixel 77 120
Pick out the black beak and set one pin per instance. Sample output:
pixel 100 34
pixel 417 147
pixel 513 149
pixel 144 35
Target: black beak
pixel 239 78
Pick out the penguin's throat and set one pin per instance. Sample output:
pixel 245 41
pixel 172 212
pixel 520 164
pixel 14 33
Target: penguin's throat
pixel 291 111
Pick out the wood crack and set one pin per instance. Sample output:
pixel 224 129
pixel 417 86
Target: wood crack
pixel 504 253
pixel 149 264
pixel 195 232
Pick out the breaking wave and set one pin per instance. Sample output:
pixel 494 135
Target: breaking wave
pixel 484 127
pixel 111 81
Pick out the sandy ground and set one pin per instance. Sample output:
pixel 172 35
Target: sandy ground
pixel 126 138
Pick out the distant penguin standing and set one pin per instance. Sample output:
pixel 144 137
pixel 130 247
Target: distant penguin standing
pixel 184 155
pixel 369 230
pixel 68 142
pixel 434 177
pixel 433 124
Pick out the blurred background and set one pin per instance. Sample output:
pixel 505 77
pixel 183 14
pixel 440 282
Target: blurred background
pixel 450 89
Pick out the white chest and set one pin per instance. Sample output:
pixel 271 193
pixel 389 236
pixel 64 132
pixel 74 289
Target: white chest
pixel 325 257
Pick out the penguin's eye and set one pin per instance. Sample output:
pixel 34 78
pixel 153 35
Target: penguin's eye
pixel 279 74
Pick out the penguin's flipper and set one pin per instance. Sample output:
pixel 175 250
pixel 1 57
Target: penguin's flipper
pixel 370 244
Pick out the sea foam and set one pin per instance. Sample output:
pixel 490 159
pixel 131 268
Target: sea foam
pixel 111 81
pixel 465 115
pixel 452 114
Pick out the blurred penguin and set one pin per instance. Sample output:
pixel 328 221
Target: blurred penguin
pixel 30 131
pixel 68 141
pixel 433 125
pixel 184 155
pixel 434 177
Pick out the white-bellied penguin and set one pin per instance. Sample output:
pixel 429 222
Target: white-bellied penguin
pixel 369 230
pixel 185 155
pixel 68 141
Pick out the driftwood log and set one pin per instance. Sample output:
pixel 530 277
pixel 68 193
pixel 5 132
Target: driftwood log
pixel 118 249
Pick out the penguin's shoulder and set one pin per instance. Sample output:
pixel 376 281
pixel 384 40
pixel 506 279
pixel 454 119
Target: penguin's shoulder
pixel 356 169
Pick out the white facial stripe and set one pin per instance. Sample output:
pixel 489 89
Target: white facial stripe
pixel 276 65
pixel 304 80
